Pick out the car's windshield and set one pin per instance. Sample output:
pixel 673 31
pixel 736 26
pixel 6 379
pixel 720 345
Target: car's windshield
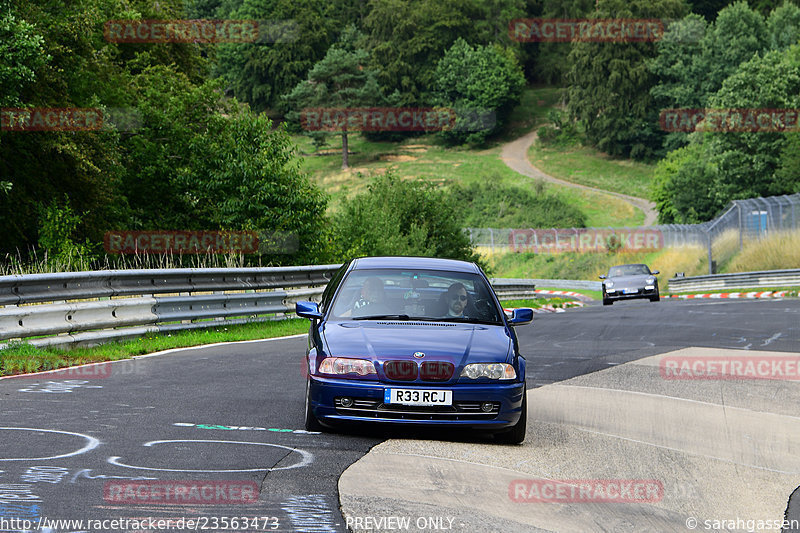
pixel 628 270
pixel 414 294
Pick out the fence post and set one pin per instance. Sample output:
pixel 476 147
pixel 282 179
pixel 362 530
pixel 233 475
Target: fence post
pixel 739 210
pixel 710 262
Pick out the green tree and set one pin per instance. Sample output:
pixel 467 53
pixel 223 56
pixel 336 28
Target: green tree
pixel 82 69
pixel 261 72
pixel 341 80
pixel 783 26
pixel 406 39
pixel 223 168
pixel 675 67
pixel 399 217
pixel 22 53
pixel 708 8
pixel 610 83
pixel 552 59
pixel 482 85
pixel 58 227
pixel 683 186
pixel 737 34
pixel 787 176
pixel 747 161
pixel 722 165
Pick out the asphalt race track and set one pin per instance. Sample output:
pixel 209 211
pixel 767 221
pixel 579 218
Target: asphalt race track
pixel 217 431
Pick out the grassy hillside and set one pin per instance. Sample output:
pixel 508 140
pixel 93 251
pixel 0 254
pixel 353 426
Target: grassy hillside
pixel 426 158
pixel 587 166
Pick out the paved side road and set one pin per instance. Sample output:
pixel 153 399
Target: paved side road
pixel 515 156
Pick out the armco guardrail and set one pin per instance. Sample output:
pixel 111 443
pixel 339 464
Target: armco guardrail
pixel 97 307
pixel 131 303
pixel 743 280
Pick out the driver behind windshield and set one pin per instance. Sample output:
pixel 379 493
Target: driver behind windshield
pixel 456 298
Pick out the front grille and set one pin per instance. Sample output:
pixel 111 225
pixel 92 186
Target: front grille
pixel 370 408
pixel 408 370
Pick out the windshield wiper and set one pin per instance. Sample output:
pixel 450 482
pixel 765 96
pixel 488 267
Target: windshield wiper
pixel 381 317
pixel 465 320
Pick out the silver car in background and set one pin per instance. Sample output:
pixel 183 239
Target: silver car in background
pixel 624 282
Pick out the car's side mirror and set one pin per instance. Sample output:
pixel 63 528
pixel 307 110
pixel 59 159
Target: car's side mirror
pixel 654 272
pixel 601 277
pixel 521 316
pixel 308 310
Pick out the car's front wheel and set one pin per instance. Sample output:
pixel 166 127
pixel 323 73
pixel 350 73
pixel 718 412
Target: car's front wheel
pixel 516 434
pixel 312 424
pixel 606 301
pixel 656 297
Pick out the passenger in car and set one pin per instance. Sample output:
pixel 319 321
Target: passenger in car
pixel 372 299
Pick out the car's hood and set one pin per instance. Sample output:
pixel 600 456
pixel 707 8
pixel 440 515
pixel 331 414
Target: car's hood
pixel 398 340
pixel 638 280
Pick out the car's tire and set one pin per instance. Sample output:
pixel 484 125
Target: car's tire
pixel 312 424
pixel 606 301
pixel 516 434
pixel 655 298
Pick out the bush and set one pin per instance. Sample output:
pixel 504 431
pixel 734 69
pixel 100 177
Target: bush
pixel 492 204
pixel 398 217
pixel 482 85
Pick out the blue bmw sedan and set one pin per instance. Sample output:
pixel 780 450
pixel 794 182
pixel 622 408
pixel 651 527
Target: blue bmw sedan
pixel 411 340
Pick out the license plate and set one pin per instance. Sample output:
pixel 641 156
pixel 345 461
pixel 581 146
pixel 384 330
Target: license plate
pixel 418 397
pixel 631 291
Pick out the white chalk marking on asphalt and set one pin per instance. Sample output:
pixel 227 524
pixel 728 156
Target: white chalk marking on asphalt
pixel 307 457
pixel 91 444
pixel 773 338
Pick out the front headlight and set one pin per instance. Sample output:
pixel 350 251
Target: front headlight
pixel 489 370
pixel 609 285
pixel 650 281
pixel 341 366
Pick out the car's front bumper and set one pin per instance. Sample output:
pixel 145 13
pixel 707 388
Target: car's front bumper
pixel 368 404
pixel 641 292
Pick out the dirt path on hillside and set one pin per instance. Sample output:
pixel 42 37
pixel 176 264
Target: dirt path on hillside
pixel 515 155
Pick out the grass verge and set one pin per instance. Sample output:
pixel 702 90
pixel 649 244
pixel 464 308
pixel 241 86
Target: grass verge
pixel 21 358
pixel 587 166
pixel 536 303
